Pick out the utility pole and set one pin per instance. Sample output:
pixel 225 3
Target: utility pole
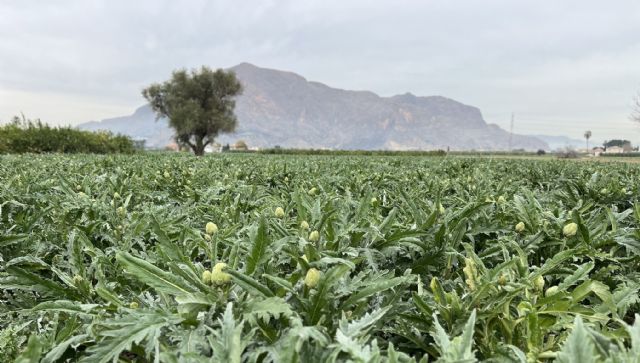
pixel 511 131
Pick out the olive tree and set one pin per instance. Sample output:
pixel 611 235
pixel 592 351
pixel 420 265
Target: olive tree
pixel 199 105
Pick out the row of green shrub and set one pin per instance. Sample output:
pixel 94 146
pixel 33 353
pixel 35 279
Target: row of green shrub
pixel 623 155
pixel 26 136
pixel 282 151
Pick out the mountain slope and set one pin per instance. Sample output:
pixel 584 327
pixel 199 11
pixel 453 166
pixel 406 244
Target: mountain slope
pixel 283 108
pixel 563 142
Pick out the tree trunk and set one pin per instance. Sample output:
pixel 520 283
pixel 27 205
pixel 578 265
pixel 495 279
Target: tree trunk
pixel 199 147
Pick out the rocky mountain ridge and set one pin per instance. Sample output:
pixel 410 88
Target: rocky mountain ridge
pixel 284 109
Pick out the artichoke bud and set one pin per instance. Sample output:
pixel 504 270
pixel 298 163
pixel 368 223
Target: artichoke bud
pixel 219 277
pixel 304 225
pixel 279 212
pixel 520 227
pixel 433 284
pixel 538 283
pixel 502 280
pixel 570 229
pixel 211 228
pixel 206 277
pixel 470 272
pixel 551 291
pixel 312 278
pixel 314 236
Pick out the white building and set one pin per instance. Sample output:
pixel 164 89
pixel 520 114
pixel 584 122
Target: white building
pixel 614 150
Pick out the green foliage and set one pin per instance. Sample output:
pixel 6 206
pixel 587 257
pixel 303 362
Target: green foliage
pixel 26 136
pixel 199 104
pixel 282 151
pixel 103 258
pixel 616 142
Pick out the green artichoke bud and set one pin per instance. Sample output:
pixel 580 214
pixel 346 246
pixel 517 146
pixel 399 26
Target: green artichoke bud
pixel 538 283
pixel 570 229
pixel 470 272
pixel 279 212
pixel 218 277
pixel 551 291
pixel 314 236
pixel 502 280
pixel 312 278
pixel 211 228
pixel 206 277
pixel 520 227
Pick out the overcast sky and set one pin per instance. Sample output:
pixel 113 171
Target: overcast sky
pixel 563 66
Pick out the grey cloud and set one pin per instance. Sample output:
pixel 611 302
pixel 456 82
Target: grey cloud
pixel 568 64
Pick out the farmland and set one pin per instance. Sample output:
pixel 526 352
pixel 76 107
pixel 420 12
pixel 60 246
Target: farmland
pixel 265 258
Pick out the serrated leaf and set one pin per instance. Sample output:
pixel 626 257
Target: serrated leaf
pixel 259 245
pixel 578 348
pixel 153 276
pixel 373 287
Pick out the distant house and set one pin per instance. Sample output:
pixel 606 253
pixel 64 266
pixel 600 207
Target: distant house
pixel 172 146
pixel 597 151
pixel 617 146
pixel 240 145
pixel 615 150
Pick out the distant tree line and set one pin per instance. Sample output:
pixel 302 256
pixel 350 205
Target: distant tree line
pixel 616 142
pixel 33 136
pixel 283 151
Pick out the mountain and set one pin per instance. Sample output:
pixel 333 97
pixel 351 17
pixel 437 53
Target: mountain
pixel 563 142
pixel 283 108
pixel 142 124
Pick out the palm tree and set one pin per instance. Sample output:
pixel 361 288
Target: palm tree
pixel 587 135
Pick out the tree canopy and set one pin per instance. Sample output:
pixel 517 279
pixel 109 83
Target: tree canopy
pixel 198 103
pixel 616 142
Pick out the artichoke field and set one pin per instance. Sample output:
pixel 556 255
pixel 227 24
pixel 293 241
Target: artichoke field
pixel 256 258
